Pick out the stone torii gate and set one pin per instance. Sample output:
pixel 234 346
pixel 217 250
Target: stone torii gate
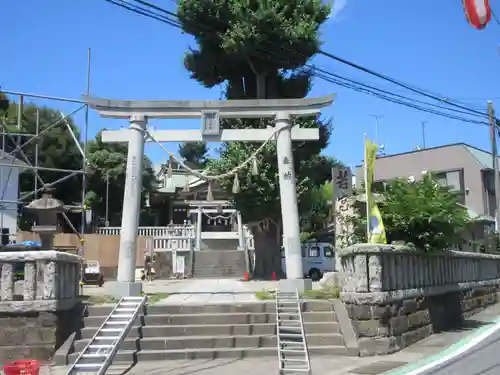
pixel 210 111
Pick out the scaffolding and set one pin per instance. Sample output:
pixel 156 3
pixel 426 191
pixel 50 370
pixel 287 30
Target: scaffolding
pixel 17 158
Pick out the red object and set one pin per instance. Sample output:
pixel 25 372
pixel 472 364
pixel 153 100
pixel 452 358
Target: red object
pixel 273 276
pixel 246 276
pixel 477 12
pixel 22 367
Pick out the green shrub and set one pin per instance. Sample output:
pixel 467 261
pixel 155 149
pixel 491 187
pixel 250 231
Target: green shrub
pixel 423 213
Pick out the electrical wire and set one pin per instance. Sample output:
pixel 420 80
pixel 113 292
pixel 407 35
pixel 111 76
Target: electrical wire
pixel 172 19
pixel 419 91
pixel 493 14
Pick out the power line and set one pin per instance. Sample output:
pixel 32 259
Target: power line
pixel 495 17
pixel 398 83
pixel 173 20
pixel 145 12
pixel 419 91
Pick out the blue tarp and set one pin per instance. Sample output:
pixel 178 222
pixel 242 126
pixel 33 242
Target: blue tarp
pixel 25 243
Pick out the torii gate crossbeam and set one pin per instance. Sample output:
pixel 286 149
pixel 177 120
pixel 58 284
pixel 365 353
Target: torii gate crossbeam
pixel 211 111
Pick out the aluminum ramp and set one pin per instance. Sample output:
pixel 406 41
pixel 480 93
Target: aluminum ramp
pixel 293 355
pixel 98 355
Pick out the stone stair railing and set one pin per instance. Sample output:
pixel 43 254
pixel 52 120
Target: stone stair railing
pixel 51 281
pixel 390 270
pixel 395 295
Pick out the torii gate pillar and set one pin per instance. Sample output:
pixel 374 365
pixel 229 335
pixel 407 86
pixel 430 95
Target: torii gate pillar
pixel 138 112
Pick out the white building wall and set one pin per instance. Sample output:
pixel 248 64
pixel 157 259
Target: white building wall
pixel 9 191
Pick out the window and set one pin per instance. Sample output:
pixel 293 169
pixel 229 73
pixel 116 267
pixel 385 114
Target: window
pixel 451 179
pixel 313 252
pixel 328 252
pixel 282 251
pixel 379 187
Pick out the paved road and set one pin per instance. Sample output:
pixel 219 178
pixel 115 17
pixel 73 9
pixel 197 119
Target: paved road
pixel 483 359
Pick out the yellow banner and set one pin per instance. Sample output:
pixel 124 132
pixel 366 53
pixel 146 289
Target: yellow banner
pixel 375 228
pixel 370 155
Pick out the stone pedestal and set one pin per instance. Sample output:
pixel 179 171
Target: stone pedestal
pixel 292 285
pixel 124 289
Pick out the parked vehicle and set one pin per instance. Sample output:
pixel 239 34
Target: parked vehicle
pixel 317 258
pixel 92 274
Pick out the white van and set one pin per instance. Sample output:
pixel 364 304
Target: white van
pixel 317 258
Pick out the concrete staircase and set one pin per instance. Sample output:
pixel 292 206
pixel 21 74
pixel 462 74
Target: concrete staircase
pixel 219 263
pixel 215 331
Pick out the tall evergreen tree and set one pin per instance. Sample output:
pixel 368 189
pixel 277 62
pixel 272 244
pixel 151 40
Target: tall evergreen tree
pixel 194 154
pixel 258 49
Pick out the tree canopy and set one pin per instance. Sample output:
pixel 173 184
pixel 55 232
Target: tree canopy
pixel 423 213
pixel 107 163
pixel 258 49
pixel 194 154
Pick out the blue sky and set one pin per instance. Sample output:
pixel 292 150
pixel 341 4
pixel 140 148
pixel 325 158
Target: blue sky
pixel 426 43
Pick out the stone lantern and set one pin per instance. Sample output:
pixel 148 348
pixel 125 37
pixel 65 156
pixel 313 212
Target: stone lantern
pixel 46 209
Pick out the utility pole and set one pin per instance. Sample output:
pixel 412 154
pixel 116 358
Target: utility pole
pixel 423 133
pixel 494 154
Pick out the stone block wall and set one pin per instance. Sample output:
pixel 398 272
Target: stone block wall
pixel 164 267
pixel 387 328
pixel 396 296
pixel 36 335
pixel 384 329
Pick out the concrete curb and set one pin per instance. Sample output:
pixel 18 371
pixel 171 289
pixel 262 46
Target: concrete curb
pixel 346 327
pixel 62 354
pixel 453 351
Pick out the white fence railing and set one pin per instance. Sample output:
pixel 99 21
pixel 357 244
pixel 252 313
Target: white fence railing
pixel 174 237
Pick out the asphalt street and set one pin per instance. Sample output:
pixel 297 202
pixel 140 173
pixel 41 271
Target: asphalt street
pixel 482 359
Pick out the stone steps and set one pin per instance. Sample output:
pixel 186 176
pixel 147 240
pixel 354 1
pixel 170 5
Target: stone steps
pixel 212 318
pixel 245 307
pixel 218 273
pixel 212 353
pixel 216 342
pixel 215 330
pixel 219 263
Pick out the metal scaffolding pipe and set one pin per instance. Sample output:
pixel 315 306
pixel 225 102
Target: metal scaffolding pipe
pixel 28 95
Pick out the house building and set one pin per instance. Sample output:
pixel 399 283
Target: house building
pixel 178 193
pixel 468 170
pixel 192 235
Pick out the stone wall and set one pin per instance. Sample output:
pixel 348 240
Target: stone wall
pixel 50 281
pixel 36 335
pixel 396 296
pixel 40 311
pixel 164 267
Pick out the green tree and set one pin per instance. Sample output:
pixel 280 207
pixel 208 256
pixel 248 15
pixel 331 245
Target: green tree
pixel 258 50
pixel 423 213
pixel 316 207
pixel 4 104
pixel 194 154
pixel 315 210
pixel 107 169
